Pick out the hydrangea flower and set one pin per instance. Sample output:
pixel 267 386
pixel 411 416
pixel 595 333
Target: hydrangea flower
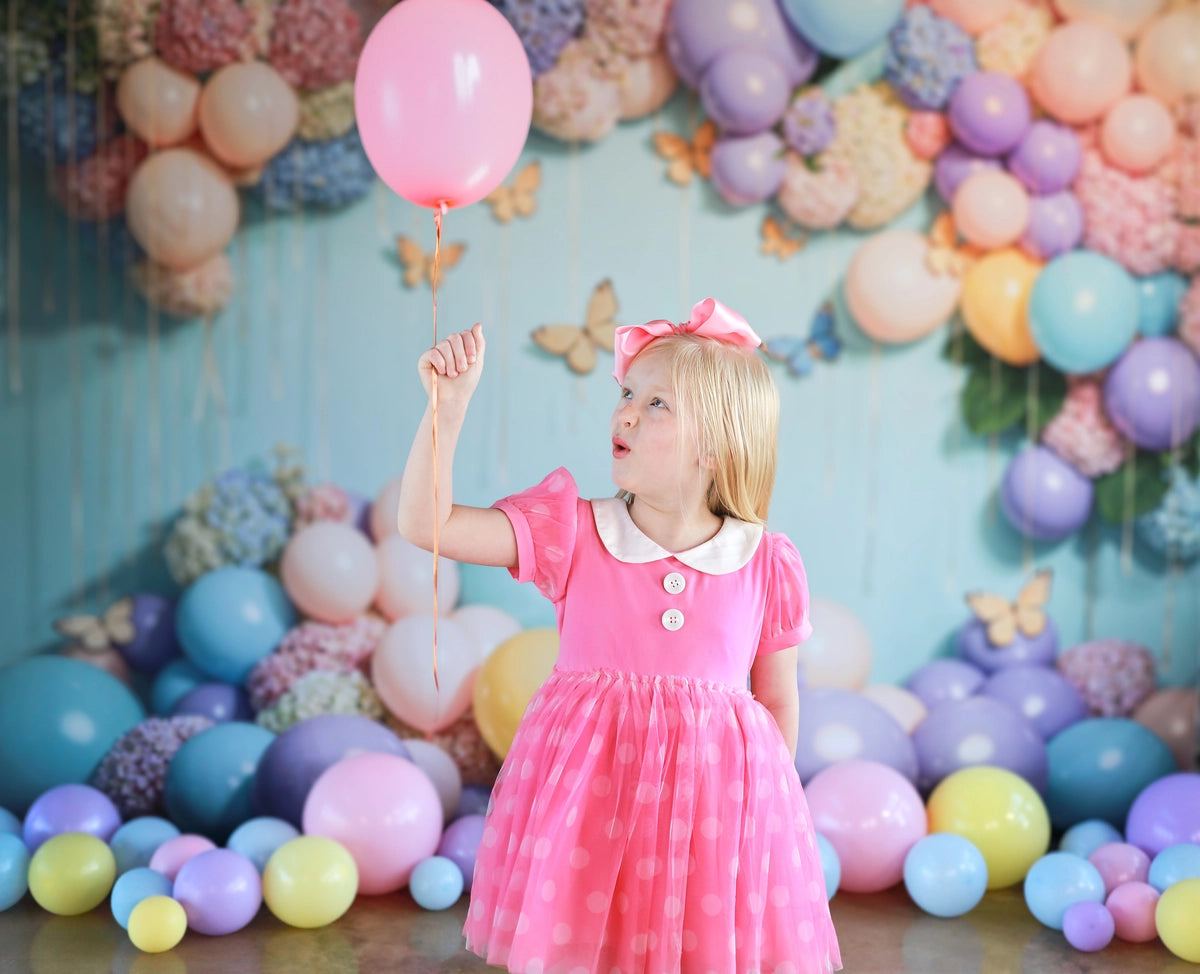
pixel 545 27
pixel 634 27
pixel 315 43
pixel 808 123
pixel 134 771
pixel 327 113
pixel 322 692
pixel 310 647
pixel 927 57
pixel 1173 528
pixel 197 292
pixel 1082 435
pixel 326 174
pixel 1011 45
pixel 63 126
pixel 199 36
pixel 579 99
pixel 94 188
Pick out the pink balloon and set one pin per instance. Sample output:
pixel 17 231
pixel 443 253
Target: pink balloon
pixel 170 857
pixel 991 209
pixel 893 294
pixel 443 98
pixel 1080 71
pixel 247 113
pixel 330 571
pixel 402 672
pixel 1132 906
pixel 973 16
pixel 158 102
pixel 1168 55
pixel 1120 862
pixel 384 810
pixel 384 510
pixel 486 626
pixel 406 579
pixel 872 816
pixel 1138 133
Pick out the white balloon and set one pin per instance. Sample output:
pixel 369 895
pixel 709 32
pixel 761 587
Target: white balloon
pixel 908 709
pixel 838 654
pixel 440 768
pixel 487 625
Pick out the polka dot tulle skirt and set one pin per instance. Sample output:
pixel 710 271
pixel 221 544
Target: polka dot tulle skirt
pixel 649 825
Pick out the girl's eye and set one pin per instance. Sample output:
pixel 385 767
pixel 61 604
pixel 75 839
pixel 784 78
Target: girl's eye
pixel 626 394
pixel 657 402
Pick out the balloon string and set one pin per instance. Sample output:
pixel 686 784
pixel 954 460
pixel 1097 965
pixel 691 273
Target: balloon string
pixel 433 401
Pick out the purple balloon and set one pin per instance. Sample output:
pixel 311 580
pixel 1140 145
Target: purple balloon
pixel 748 169
pixel 460 844
pixel 1055 225
pixel 744 91
pixel 219 890
pixel 953 166
pixel 154 643
pixel 1165 813
pixel 297 757
pixel 1088 926
pixel 70 808
pixel 362 512
pixel 975 731
pixel 1043 497
pixel 1048 158
pixel 945 681
pixel 973 645
pixel 219 702
pixel 840 725
pixel 1043 695
pixel 1152 394
pixel 989 112
pixel 474 800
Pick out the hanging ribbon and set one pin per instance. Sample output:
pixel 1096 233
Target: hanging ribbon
pixel 433 404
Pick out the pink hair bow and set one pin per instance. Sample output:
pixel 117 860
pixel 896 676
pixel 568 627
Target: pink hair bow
pixel 710 319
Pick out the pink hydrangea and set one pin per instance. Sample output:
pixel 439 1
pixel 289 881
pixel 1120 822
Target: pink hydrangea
pixel 1113 675
pixel 1187 248
pixel 1187 113
pixel 1186 170
pixel 927 134
pixel 124 30
pixel 324 502
pixel 201 35
pixel 94 188
pixel 820 198
pixel 310 647
pixel 1189 316
pixel 631 26
pixel 315 43
pixel 1128 218
pixel 1082 435
pixel 197 292
pixel 579 99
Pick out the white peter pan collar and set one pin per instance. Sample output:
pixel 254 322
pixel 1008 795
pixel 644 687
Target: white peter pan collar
pixel 728 550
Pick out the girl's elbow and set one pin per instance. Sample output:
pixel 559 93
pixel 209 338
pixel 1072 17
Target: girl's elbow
pixel 415 532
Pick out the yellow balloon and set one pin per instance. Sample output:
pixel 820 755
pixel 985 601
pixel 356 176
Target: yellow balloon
pixel 507 681
pixel 994 299
pixel 310 881
pixel 1177 917
pixel 157 923
pixel 71 873
pixel 998 811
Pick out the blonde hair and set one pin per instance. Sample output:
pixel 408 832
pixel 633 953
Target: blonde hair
pixel 727 401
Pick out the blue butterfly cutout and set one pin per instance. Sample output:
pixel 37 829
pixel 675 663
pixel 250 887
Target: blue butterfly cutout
pixel 800 354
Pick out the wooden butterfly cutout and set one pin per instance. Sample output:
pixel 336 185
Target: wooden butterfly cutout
pixel 801 354
pixel 578 343
pixel 418 265
pixel 946 255
pixel 517 199
pixel 1004 618
pixel 686 159
pixel 777 242
pixel 98 633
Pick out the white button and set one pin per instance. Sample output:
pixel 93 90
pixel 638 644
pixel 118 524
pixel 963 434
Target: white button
pixel 672 619
pixel 674 583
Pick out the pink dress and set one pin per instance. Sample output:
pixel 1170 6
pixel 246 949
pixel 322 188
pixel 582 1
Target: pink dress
pixel 648 818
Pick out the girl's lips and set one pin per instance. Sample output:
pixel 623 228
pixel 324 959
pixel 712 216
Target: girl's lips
pixel 620 448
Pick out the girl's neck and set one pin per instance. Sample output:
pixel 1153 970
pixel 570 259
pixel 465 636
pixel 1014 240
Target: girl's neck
pixel 675 529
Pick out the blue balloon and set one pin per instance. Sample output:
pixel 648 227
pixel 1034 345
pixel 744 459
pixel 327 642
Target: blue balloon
pixel 487 585
pixel 843 29
pixel 9 823
pixel 1174 864
pixel 1099 766
pixel 1087 836
pixel 14 869
pixel 134 886
pixel 831 866
pixel 138 839
pixel 258 839
pixel 1158 302
pixel 945 874
pixel 436 883
pixel 210 780
pixel 1058 880
pixel 58 718
pixel 1083 311
pixel 231 618
pixel 174 682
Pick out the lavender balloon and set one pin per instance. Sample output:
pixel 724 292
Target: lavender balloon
pixel 748 169
pixel 954 165
pixel 744 91
pixel 70 808
pixel 1043 695
pixel 219 702
pixel 1088 926
pixel 840 725
pixel 989 112
pixel 945 681
pixel 154 643
pixel 1048 158
pixel 1043 497
pixel 220 891
pixel 1165 813
pixel 1055 225
pixel 1152 394
pixel 460 844
pixel 973 645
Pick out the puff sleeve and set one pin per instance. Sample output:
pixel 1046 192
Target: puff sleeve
pixel 785 617
pixel 544 518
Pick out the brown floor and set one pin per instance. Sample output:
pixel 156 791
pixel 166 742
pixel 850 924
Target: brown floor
pixel 881 934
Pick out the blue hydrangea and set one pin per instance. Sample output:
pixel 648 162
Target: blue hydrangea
pixel 326 174
pixel 927 57
pixel 1173 528
pixel 53 124
pixel 545 27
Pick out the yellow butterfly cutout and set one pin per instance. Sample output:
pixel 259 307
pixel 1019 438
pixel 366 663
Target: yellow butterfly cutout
pixel 946 255
pixel 777 242
pixel 418 265
pixel 686 159
pixel 1003 618
pixel 578 343
pixel 97 633
pixel 518 199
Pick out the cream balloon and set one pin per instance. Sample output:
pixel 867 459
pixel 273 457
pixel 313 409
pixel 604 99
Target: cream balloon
pixel 157 102
pixel 181 208
pixel 838 653
pixel 646 85
pixel 1126 17
pixel 973 16
pixel 1138 133
pixel 248 113
pixel 402 672
pixel 1168 55
pixel 908 709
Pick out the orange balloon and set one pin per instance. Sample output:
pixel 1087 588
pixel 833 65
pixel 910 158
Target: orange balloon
pixel 994 299
pixel 158 102
pixel 181 208
pixel 1080 71
pixel 647 84
pixel 1168 55
pixel 248 113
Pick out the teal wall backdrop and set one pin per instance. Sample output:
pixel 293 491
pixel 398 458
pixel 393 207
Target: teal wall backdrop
pixel 117 416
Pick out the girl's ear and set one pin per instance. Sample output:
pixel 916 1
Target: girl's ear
pixel 708 462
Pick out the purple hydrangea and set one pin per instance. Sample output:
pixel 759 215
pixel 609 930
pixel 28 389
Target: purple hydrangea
pixel 545 27
pixel 809 125
pixel 927 57
pixel 134 771
pixel 327 174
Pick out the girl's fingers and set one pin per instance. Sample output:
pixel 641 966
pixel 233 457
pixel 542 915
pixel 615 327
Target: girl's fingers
pixel 437 361
pixel 458 351
pixel 469 348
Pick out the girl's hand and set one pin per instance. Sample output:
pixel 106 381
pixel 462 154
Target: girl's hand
pixel 458 363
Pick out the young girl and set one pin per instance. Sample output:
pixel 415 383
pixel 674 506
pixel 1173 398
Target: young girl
pixel 648 818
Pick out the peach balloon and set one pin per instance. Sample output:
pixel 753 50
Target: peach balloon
pixel 1080 71
pixel 402 672
pixel 973 16
pixel 991 208
pixel 248 113
pixel 647 83
pixel 891 291
pixel 1126 17
pixel 1168 55
pixel 385 510
pixel 995 294
pixel 157 102
pixel 1138 133
pixel 908 709
pixel 406 579
pixel 330 571
pixel 1171 714
pixel 181 208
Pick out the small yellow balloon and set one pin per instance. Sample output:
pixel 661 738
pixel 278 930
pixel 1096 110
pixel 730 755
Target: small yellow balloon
pixel 71 873
pixel 157 923
pixel 310 881
pixel 998 811
pixel 1177 917
pixel 507 681
pixel 994 298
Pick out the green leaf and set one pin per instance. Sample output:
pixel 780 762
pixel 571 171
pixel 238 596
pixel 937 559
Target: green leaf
pixel 961 348
pixel 1190 456
pixel 1051 393
pixel 1134 489
pixel 993 399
